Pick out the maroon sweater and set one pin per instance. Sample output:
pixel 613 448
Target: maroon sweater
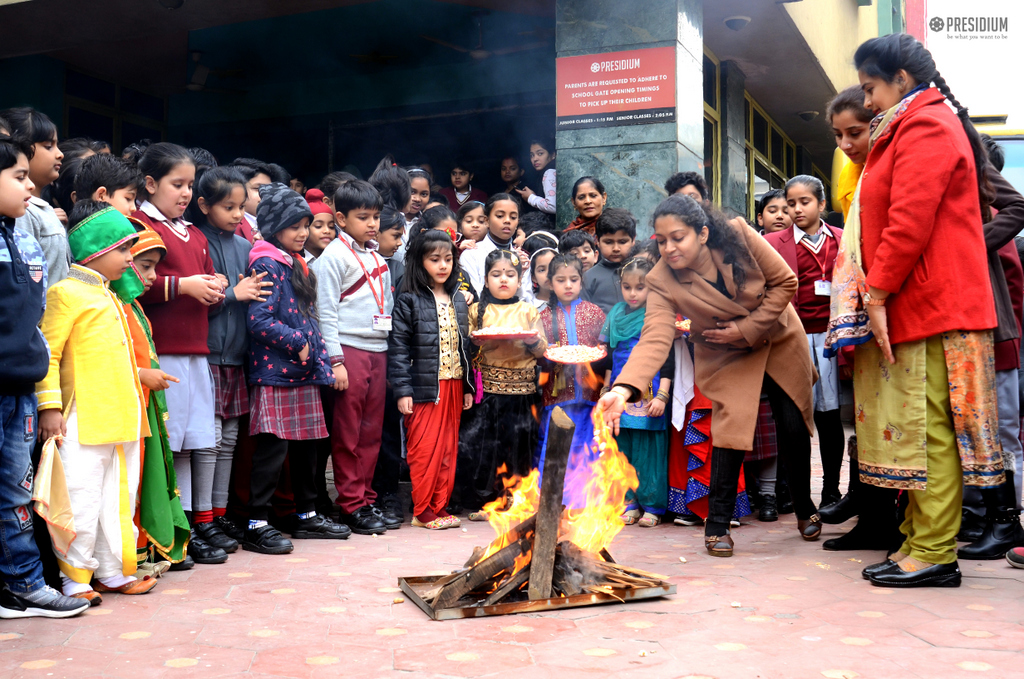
pixel 1007 353
pixel 180 323
pixel 474 194
pixel 814 309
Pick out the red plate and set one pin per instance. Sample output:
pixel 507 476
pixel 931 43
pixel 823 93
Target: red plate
pixel 525 335
pixel 574 354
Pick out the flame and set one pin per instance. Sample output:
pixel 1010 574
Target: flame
pixel 588 377
pixel 522 497
pixel 544 377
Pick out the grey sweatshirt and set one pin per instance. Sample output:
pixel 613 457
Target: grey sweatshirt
pixel 345 301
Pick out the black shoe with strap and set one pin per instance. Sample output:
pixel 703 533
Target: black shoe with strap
pixel 266 540
pixel 1002 533
pixel 231 528
pixel 211 534
pixel 390 520
pixel 364 521
pixel 203 552
pixel 319 527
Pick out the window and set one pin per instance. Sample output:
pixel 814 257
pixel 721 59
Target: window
pixel 712 125
pixel 109 112
pixel 771 156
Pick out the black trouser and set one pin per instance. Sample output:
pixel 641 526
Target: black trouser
pixel 831 442
pixel 389 462
pixel 794 452
pixel 267 460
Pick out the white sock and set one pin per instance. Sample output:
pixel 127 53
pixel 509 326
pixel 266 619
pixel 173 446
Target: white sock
pixel 71 587
pixel 115 581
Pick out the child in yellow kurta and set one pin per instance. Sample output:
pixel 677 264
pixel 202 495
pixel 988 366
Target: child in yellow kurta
pixel 93 399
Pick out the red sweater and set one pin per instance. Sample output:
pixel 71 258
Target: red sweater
pixel 180 323
pixel 1008 352
pixel 474 194
pixel 921 225
pixel 812 309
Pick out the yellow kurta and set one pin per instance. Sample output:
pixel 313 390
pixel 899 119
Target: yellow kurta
pixel 508 366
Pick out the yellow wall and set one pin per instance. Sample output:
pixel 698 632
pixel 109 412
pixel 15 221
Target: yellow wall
pixel 833 29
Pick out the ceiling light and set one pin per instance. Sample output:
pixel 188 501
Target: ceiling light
pixel 736 23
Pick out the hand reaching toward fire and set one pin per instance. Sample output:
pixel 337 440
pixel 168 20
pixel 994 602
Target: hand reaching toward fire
pixel 611 405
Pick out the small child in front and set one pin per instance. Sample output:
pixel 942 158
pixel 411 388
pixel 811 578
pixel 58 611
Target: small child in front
pixel 615 231
pixel 93 380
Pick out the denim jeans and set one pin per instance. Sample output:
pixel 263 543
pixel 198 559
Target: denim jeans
pixel 20 566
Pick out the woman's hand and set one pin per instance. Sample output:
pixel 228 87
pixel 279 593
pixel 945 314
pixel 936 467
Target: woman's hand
pixel 657 408
pixel 252 288
pixel 467 401
pixel 405 405
pixel 156 380
pixel 612 404
pixel 880 327
pixel 727 333
pixel 51 423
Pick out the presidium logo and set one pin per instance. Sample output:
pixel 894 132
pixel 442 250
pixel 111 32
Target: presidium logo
pixel 972 28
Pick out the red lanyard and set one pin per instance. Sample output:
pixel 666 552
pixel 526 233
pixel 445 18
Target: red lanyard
pixel 820 263
pixel 369 281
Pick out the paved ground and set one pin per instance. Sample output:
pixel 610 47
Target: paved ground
pixel 780 608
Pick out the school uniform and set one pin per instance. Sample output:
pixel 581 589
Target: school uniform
pixel 601 285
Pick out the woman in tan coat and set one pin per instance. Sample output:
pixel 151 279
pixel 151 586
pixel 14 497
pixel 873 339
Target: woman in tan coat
pixel 735 289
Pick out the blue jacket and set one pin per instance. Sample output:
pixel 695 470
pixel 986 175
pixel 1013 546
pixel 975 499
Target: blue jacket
pixel 278 330
pixel 24 355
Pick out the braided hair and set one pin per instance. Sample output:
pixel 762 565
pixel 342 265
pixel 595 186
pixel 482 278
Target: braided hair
pixel 493 258
pixel 557 262
pixel 883 57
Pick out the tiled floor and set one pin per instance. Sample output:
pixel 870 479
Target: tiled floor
pixel 780 608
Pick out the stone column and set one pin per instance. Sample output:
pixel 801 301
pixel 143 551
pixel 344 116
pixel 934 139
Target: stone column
pixel 734 138
pixel 633 161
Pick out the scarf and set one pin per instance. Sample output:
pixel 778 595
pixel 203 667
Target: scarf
pixel 624 324
pixel 581 224
pixel 848 322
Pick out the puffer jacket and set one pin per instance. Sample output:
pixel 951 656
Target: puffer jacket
pixel 414 351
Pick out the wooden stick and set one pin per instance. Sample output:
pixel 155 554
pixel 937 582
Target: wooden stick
pixel 512 584
pixel 549 513
pixel 479 574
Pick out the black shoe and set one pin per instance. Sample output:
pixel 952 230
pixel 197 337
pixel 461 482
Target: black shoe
pixel 185 564
pixel 205 553
pixel 391 507
pixel 783 498
pixel 319 528
pixel 830 497
pixel 1001 534
pixel 868 535
pixel 44 602
pixel 972 527
pixel 266 540
pixel 877 568
pixel 454 509
pixel 391 522
pixel 939 575
pixel 227 526
pixel 839 512
pixel 211 534
pixel 769 509
pixel 283 524
pixel 364 522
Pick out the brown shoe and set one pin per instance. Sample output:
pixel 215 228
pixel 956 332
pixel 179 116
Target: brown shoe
pixel 92 596
pixel 137 586
pixel 718 545
pixel 810 529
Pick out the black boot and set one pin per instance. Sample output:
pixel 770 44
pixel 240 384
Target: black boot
pixel 972 527
pixel 1002 530
pixel 769 510
pixel 878 526
pixel 846 508
pixel 782 496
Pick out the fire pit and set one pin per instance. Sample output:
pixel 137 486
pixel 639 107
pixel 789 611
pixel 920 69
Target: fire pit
pixel 547 557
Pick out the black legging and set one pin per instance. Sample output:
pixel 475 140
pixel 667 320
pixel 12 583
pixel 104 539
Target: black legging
pixel 831 442
pixel 267 461
pixel 794 452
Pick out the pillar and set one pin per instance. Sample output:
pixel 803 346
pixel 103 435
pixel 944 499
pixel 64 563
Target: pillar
pixel 734 138
pixel 633 161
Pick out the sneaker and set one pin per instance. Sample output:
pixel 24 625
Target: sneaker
pixel 1015 557
pixel 205 553
pixel 364 521
pixel 212 535
pixel 45 602
pixel 266 540
pixel 233 530
pixel 319 528
pixel 688 520
pixel 389 519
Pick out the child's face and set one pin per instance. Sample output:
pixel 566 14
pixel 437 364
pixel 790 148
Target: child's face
pixel 112 265
pixel 691 191
pixel 360 224
pixel 252 188
pixel 520 238
pixel 852 136
pixel 389 241
pixel 566 283
pixel 438 264
pixel 504 220
pixel 145 264
pixel 775 216
pixel 588 201
pixel 461 179
pixel 293 238
pixel 15 188
pixel 804 206
pixel 297 186
pixel 474 224
pixel 511 173
pixel 540 157
pixel 585 254
pixel 321 233
pixel 615 246
pixel 540 270
pixel 123 200
pixel 225 214
pixel 420 195
pixel 171 195
pixel 680 244
pixel 634 289
pixel 45 164
pixel 502 280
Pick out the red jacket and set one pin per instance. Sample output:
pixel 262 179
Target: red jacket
pixel 921 229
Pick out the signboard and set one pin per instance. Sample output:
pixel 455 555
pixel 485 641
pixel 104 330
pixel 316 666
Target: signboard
pixel 616 88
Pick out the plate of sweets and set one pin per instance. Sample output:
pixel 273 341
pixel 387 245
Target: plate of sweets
pixel 683 326
pixel 574 353
pixel 510 334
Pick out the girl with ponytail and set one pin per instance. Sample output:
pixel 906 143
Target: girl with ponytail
pixel 914 243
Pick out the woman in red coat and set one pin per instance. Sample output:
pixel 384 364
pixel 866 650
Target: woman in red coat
pixel 925 388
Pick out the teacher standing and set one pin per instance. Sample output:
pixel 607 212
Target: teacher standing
pixel 735 289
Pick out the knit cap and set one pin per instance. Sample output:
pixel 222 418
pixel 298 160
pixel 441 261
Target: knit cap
pixel 279 208
pixel 315 198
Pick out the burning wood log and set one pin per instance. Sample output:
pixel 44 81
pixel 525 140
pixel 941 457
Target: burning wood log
pixel 480 573
pixel 549 514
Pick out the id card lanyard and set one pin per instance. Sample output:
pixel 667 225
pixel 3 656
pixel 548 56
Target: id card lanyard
pixel 822 287
pixel 381 321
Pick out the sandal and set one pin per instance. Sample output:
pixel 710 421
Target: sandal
pixel 92 596
pixel 451 521
pixel 631 516
pixel 810 529
pixel 436 524
pixel 478 515
pixel 718 545
pixel 136 586
pixel 649 520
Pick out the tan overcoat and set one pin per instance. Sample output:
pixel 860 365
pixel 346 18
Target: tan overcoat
pixel 731 375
